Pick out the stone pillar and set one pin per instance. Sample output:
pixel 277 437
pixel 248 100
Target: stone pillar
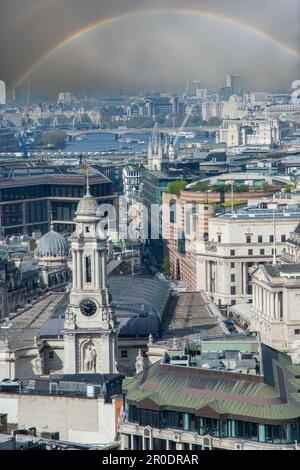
pixel 268 303
pixel 245 276
pixel 97 270
pixel 276 316
pixel 103 265
pixel 70 354
pixel 75 274
pixel 272 305
pixel 254 296
pixel 79 270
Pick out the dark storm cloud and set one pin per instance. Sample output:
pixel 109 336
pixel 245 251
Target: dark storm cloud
pixel 151 51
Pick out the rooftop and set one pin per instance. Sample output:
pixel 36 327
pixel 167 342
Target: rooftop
pixel 139 303
pixel 272 399
pixel 259 212
pixel 21 331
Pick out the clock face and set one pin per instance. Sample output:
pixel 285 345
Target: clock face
pixel 88 307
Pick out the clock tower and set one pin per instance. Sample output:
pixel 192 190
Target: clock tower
pixel 89 328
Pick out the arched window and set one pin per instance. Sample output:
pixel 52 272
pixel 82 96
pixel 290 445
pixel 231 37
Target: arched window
pixel 88 269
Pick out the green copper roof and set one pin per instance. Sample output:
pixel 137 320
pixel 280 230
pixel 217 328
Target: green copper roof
pixel 188 389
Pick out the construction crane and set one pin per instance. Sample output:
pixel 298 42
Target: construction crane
pixel 187 117
pixel 20 137
pixel 154 137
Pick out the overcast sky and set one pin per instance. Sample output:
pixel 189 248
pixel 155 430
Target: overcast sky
pixel 158 50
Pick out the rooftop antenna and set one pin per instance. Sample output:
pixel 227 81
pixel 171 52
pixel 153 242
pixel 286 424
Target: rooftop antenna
pixel 274 239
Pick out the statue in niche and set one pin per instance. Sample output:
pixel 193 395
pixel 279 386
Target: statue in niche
pixel 38 365
pixel 90 358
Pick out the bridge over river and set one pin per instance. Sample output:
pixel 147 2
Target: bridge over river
pixel 77 132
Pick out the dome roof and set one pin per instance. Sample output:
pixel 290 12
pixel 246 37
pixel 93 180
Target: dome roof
pixel 52 244
pixel 87 205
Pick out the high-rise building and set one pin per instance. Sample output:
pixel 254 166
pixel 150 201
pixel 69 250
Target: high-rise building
pixel 233 82
pixel 201 93
pixel 2 92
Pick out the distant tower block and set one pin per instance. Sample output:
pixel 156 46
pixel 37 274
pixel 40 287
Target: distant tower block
pixel 2 93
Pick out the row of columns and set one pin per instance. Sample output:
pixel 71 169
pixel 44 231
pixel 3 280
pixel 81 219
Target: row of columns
pixel 98 270
pixel 266 302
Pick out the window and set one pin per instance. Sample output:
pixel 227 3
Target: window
pixel 88 269
pixel 271 238
pixel 248 238
pixel 175 419
pixel 232 252
pixel 250 252
pixel 124 354
pixel 219 238
pixel 232 277
pixel 149 418
pixel 233 290
pixel 51 355
pixel 262 252
pixel 133 414
pixel 297 332
pixel 172 207
pixel 232 265
pixel 283 238
pixel 245 430
pixel 259 238
pixel 87 229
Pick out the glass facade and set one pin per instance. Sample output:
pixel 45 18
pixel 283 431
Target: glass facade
pixel 249 431
pixel 27 208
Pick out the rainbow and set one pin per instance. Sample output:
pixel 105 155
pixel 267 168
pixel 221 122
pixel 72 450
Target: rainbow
pixel 115 19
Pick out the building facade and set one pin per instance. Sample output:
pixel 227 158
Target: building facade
pixel 275 307
pixel 237 132
pixel 237 243
pixel 180 407
pixel 29 196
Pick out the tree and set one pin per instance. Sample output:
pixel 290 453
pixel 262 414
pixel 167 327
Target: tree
pixel 201 186
pixel 288 188
pixel 175 187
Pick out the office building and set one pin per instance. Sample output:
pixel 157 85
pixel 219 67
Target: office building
pixel 237 243
pixel 31 194
pixel 241 398
pixel 241 132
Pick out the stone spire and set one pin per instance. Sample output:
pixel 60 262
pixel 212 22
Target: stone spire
pixel 140 362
